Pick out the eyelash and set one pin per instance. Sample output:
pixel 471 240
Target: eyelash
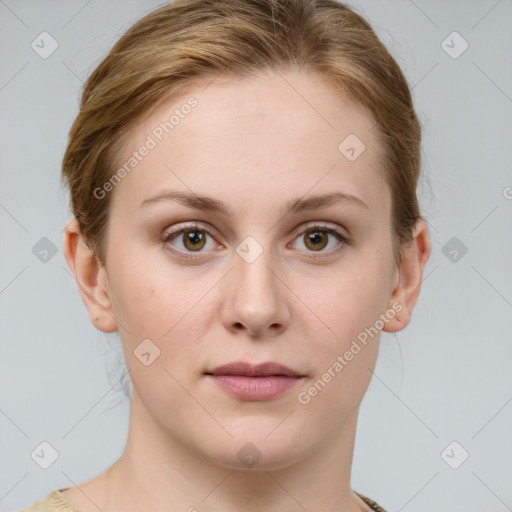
pixel 316 226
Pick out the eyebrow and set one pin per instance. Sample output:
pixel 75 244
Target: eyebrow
pixel 295 206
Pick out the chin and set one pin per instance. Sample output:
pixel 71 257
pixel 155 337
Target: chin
pixel 255 450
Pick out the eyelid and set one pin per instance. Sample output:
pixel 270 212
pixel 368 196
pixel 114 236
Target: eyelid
pixel 190 226
pixel 324 225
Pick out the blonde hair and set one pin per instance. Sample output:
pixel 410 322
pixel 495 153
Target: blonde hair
pixel 186 40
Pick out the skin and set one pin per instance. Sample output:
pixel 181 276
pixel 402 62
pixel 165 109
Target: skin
pixel 254 145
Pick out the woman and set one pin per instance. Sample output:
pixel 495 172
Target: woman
pixel 243 182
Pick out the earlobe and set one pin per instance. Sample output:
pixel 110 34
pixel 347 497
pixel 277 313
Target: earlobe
pixel 90 277
pixel 408 281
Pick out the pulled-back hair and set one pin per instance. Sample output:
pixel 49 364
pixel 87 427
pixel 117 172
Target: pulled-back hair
pixel 188 40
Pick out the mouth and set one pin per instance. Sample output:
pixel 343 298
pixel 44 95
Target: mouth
pixel 254 382
pixel 244 369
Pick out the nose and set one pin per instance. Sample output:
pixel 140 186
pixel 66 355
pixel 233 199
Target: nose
pixel 255 298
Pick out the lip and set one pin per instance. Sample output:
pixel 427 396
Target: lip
pixel 254 382
pixel 250 370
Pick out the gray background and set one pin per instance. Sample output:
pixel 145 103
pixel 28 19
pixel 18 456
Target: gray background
pixel 447 377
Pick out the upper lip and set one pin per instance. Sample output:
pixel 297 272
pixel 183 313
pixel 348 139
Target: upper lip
pixel 250 370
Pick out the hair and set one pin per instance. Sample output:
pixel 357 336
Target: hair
pixel 185 41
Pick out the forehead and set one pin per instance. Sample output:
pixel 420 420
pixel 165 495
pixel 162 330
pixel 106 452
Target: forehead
pixel 279 134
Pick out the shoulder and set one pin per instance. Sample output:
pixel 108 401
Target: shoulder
pixel 54 502
pixel 372 504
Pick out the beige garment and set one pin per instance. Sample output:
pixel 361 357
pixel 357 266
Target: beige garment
pixel 56 502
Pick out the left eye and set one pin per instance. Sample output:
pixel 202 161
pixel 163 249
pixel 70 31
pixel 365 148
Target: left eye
pixel 316 238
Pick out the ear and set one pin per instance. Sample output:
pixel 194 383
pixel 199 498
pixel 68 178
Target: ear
pixel 90 277
pixel 408 278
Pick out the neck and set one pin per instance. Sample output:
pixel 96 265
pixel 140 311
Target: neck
pixel 156 472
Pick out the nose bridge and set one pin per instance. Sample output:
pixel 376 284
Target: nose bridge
pixel 256 294
pixel 254 267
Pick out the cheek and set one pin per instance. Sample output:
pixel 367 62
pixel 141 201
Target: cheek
pixel 150 294
pixel 343 355
pixel 164 304
pixel 162 307
pixel 346 333
pixel 342 306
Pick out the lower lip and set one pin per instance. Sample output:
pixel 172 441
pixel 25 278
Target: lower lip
pixel 255 388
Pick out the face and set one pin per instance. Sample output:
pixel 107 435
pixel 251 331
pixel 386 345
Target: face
pixel 269 275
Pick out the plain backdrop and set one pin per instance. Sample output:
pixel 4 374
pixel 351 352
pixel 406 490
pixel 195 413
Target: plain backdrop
pixel 435 428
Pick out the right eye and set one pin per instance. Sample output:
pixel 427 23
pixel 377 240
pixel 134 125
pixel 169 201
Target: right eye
pixel 192 238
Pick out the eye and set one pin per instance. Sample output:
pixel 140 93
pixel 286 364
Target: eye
pixel 192 239
pixel 315 238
